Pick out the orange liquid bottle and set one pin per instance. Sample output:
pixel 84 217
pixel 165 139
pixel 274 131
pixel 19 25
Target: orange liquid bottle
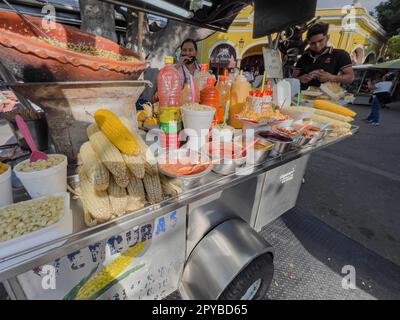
pixel 210 96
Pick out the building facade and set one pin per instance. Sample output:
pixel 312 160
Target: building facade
pixel 352 28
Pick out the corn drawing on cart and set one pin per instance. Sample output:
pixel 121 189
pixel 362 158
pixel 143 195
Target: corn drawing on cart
pixel 203 243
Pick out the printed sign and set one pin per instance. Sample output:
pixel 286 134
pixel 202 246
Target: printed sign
pixel 144 262
pixel 273 63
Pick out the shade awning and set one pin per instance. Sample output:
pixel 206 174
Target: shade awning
pixel 388 65
pixel 270 15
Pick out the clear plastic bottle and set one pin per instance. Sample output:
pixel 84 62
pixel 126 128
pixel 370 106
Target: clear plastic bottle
pixel 224 91
pixel 200 80
pixel 170 95
pixel 210 96
pixel 169 85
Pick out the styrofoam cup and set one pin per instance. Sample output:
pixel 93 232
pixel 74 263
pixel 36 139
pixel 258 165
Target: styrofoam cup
pixel 197 120
pixel 6 196
pixel 44 182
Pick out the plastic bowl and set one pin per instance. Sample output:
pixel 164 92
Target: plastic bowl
pixel 184 155
pixel 224 164
pixel 44 182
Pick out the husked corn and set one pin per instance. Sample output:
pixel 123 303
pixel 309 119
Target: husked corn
pixel 118 198
pixel 116 132
pixel 96 202
pixel 150 162
pixel 135 165
pixel 335 123
pixel 95 170
pixel 170 187
pixel 136 188
pixel 153 188
pixel 109 155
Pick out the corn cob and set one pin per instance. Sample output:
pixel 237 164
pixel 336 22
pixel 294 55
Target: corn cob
pixel 109 273
pixel 153 188
pixel 135 164
pixel 136 189
pixel 333 115
pixel 332 107
pixel 116 132
pixel 118 198
pixel 170 187
pixel 333 122
pixel 95 170
pixel 97 203
pixel 109 155
pixel 136 194
pixel 150 162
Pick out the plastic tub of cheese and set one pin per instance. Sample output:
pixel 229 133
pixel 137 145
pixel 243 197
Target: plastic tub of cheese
pixel 43 177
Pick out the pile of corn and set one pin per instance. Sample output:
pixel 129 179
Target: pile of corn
pixel 118 174
pixel 337 116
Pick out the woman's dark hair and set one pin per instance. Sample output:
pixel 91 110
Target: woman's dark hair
pixel 191 41
pixel 318 28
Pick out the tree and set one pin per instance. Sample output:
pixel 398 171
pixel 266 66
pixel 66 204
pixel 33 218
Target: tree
pixel 388 14
pixel 393 49
pixel 98 18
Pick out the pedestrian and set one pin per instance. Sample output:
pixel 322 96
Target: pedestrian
pixel 380 96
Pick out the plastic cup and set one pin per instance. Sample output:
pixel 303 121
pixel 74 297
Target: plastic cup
pixel 44 182
pixel 6 197
pixel 198 121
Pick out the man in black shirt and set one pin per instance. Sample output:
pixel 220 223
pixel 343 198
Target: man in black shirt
pixel 322 63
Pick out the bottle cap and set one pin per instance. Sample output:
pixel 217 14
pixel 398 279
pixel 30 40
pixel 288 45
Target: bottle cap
pixel 169 60
pixel 204 67
pixel 210 81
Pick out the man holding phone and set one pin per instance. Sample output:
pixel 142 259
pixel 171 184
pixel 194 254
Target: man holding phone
pixel 187 64
pixel 322 63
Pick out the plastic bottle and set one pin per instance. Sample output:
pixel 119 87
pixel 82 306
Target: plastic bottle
pixel 282 95
pixel 224 91
pixel 187 94
pixel 210 96
pixel 200 79
pixel 169 85
pixel 170 95
pixel 239 93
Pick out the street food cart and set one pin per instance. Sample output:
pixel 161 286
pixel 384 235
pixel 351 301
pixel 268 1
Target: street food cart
pixel 202 242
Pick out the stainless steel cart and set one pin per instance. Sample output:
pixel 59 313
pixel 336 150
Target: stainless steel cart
pixel 203 243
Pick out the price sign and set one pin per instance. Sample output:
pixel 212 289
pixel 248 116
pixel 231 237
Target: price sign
pixel 273 63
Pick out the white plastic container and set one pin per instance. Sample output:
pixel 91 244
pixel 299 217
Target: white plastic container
pixel 6 196
pixel 197 124
pixel 57 230
pixel 44 182
pixel 282 95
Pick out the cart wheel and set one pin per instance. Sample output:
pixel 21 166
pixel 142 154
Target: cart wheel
pixel 253 282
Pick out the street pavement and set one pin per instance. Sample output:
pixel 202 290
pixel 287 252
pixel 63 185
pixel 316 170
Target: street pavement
pixel 354 186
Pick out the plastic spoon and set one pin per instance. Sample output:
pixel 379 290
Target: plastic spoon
pixel 36 154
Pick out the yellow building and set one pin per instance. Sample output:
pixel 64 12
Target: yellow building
pixel 352 28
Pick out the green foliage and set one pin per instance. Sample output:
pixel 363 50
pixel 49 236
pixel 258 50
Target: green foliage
pixel 388 14
pixel 393 50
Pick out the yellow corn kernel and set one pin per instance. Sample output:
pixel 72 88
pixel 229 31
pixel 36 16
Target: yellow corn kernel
pixel 116 132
